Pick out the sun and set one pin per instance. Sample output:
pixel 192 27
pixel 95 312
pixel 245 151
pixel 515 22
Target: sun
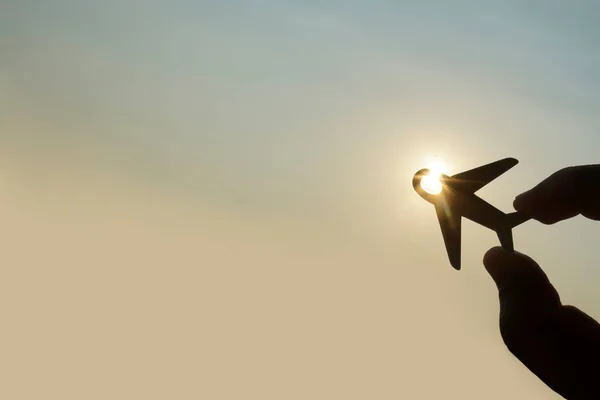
pixel 431 182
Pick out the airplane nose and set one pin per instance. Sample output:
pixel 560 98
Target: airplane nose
pixel 417 183
pixel 429 189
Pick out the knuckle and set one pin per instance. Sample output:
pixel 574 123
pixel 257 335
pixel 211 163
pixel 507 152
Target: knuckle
pixel 547 220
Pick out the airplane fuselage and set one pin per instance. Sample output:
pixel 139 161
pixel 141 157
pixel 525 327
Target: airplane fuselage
pixel 474 208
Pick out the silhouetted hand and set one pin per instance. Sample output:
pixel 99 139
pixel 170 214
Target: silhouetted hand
pixel 558 343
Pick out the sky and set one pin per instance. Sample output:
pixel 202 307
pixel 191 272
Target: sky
pixel 213 199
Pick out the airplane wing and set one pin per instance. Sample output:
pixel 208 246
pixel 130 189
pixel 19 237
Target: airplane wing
pixel 451 230
pixel 474 179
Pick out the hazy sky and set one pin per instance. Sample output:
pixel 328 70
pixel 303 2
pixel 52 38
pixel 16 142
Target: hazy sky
pixel 213 199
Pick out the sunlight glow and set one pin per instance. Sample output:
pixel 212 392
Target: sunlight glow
pixel 431 183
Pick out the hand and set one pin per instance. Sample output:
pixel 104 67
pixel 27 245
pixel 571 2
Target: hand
pixel 565 194
pixel 558 343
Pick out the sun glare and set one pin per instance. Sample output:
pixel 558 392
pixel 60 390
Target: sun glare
pixel 431 183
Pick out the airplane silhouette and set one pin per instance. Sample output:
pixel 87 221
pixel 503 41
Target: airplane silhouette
pixel 458 199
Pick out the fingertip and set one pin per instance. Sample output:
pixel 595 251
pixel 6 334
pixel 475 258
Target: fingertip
pixel 504 265
pixel 492 255
pixel 523 201
pixel 517 204
pixel 498 256
pixel 495 263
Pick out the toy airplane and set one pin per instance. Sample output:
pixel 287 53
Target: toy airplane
pixel 457 198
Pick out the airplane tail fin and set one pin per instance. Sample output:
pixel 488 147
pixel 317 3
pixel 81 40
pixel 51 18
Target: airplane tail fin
pixel 505 233
pixel 515 219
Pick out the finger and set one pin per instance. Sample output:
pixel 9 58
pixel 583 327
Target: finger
pixel 523 287
pixel 559 344
pixel 565 194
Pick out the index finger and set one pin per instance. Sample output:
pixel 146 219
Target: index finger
pixel 564 194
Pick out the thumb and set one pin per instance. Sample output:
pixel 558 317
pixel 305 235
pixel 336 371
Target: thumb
pixel 524 289
pixel 559 344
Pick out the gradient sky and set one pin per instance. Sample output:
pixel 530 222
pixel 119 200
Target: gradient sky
pixel 213 199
